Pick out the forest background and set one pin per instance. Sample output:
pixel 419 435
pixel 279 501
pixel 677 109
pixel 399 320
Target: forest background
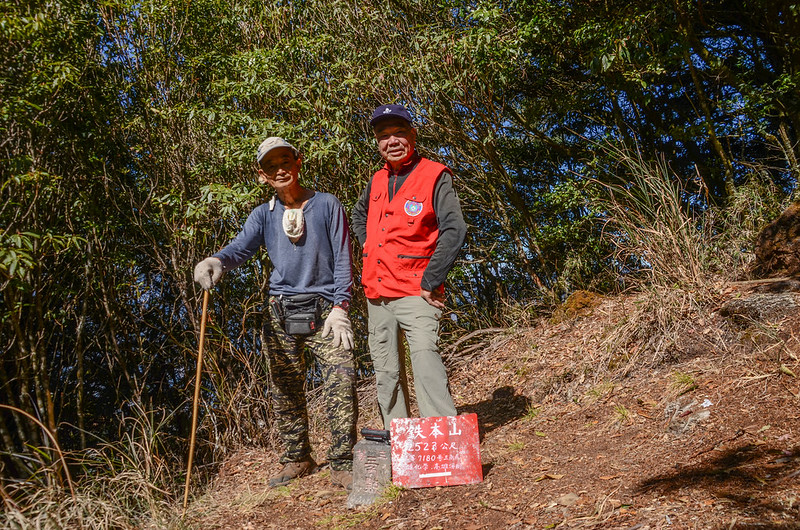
pixel 128 136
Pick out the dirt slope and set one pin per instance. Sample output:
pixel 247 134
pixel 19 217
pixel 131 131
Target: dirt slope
pixel 584 425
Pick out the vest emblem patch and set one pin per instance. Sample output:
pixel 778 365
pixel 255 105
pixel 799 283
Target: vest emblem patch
pixel 413 208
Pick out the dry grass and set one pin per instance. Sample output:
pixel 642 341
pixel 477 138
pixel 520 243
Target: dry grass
pixel 127 484
pixel 658 238
pixel 665 236
pixel 674 254
pixel 240 414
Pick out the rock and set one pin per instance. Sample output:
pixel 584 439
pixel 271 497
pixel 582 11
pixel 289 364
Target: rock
pixel 682 418
pixel 568 500
pixel 777 247
pixel 372 472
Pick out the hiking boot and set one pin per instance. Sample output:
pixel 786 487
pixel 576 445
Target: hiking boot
pixel 342 478
pixel 293 470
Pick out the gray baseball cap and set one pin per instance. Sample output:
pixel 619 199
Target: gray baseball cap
pixel 273 142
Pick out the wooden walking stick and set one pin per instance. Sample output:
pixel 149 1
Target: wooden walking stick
pixel 196 400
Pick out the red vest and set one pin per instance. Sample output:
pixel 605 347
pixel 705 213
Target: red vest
pixel 401 233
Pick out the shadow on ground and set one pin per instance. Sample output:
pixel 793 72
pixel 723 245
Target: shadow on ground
pixel 739 476
pixel 504 407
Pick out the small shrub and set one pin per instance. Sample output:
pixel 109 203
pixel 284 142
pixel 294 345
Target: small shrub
pixel 621 414
pixel 532 412
pixel 683 382
pixel 516 446
pixel 598 391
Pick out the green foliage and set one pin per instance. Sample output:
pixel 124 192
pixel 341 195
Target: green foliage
pixel 127 156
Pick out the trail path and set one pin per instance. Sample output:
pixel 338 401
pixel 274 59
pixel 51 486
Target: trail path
pixel 581 431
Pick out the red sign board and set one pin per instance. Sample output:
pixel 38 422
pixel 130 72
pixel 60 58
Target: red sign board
pixel 437 451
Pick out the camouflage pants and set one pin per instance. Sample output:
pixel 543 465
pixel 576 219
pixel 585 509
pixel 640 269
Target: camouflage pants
pixel 290 358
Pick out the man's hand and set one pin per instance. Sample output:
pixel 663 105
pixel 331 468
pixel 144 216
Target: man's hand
pixel 435 298
pixel 338 324
pixel 208 272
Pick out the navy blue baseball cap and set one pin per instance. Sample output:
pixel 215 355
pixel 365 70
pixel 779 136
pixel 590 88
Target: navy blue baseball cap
pixel 390 111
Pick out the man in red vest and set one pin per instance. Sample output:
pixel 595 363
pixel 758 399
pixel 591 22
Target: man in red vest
pixel 409 222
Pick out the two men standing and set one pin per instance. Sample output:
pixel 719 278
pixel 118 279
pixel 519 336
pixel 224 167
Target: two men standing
pixel 409 222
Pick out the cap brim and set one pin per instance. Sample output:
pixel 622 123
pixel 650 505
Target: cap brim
pixel 377 119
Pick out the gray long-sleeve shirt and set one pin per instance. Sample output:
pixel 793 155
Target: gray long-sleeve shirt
pixel 320 261
pixel 452 228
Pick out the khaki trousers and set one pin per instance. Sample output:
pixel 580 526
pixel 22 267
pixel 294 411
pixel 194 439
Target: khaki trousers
pixel 420 323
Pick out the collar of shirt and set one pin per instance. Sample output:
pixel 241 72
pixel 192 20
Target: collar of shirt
pixel 406 168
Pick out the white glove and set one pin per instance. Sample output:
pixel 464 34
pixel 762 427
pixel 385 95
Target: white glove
pixel 338 323
pixel 208 272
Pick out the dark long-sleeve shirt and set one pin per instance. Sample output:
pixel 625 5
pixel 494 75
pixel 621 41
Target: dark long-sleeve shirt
pixel 319 263
pixel 452 228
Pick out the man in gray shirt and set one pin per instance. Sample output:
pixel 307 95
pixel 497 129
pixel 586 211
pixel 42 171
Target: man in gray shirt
pixel 307 239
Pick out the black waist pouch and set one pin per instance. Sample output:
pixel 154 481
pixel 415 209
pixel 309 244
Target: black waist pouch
pixel 299 314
